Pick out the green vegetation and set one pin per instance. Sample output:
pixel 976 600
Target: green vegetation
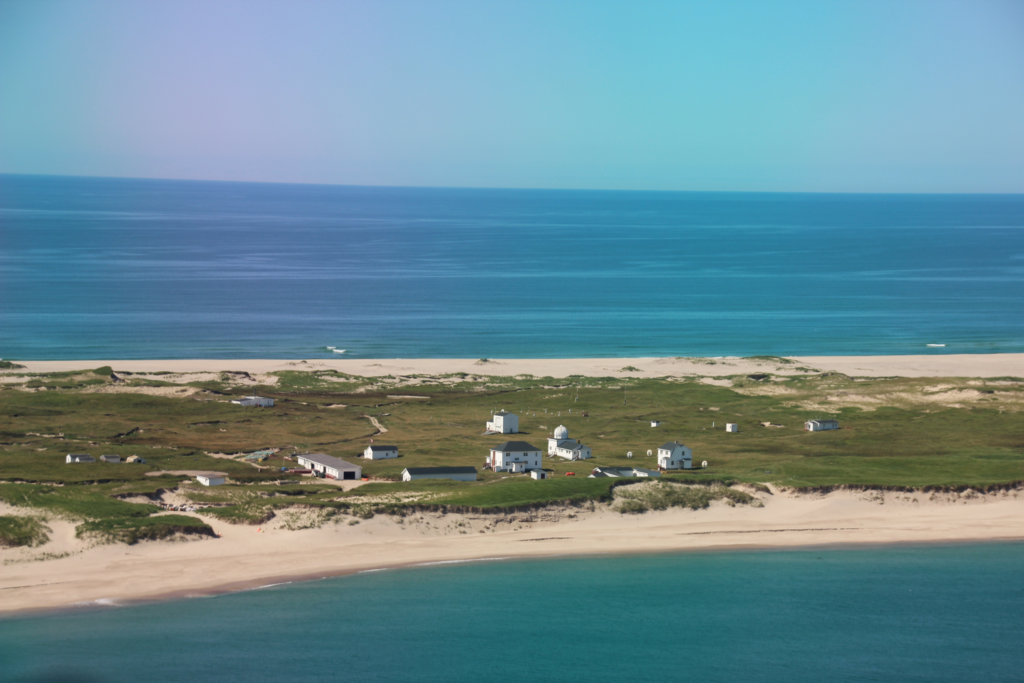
pixel 132 531
pixel 662 494
pixel 22 531
pixel 8 365
pixel 912 433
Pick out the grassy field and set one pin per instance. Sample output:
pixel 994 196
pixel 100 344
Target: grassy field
pixel 895 432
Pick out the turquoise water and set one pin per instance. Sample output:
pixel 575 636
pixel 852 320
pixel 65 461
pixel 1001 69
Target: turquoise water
pixel 953 613
pixel 105 268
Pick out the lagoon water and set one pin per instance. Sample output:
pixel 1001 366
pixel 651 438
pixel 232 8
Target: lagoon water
pixel 951 613
pixel 107 268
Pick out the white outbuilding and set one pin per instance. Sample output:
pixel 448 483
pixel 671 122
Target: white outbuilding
pixel 559 444
pixel 675 456
pixel 655 423
pixel 504 423
pixel 456 473
pixel 514 456
pixel 380 452
pixel 258 401
pixel 211 479
pixel 538 474
pixel 329 467
pixel 79 457
pixel 821 425
pixel 732 427
pixel 110 458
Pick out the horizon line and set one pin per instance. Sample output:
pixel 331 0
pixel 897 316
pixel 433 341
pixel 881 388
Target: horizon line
pixel 507 188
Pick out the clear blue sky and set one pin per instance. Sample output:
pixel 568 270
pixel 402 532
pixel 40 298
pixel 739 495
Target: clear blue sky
pixel 883 96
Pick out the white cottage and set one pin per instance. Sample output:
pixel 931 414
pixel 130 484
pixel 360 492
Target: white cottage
pixel 559 444
pixel 821 425
pixel 329 467
pixel 674 456
pixel 514 456
pixel 210 479
pixel 79 457
pixel 258 401
pixel 504 423
pixel 380 452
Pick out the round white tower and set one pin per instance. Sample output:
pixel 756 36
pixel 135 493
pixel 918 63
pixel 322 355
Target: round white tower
pixel 561 433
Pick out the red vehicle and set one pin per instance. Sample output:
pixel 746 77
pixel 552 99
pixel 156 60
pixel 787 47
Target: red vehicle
pixel 570 474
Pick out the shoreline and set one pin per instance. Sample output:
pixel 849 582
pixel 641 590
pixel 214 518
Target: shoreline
pixel 939 365
pixel 246 559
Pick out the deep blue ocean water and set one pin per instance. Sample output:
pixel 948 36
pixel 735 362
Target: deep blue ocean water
pixel 930 614
pixel 107 268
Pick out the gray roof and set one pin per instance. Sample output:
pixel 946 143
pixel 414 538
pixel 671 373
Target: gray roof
pixel 571 444
pixel 670 445
pixel 515 446
pixel 383 448
pixel 328 461
pixel 441 470
pixel 502 412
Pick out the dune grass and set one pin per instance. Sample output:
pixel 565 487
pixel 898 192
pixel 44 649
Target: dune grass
pixel 18 531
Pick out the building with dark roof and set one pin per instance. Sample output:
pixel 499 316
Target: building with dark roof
pixel 456 473
pixel 514 456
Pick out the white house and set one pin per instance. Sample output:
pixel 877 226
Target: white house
pixel 504 423
pixel 380 452
pixel 674 455
pixel 79 457
pixel 732 427
pixel 329 467
pixel 210 479
pixel 110 458
pixel 821 425
pixel 561 445
pixel 456 473
pixel 255 401
pixel 514 456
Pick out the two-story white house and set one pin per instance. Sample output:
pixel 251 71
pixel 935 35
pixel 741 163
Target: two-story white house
pixel 675 456
pixel 514 456
pixel 504 423
pixel 380 452
pixel 559 444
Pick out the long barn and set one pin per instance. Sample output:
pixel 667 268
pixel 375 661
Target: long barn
pixel 330 467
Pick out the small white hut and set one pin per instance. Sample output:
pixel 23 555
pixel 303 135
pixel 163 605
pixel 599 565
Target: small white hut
pixel 821 425
pixel 732 427
pixel 258 401
pixel 210 479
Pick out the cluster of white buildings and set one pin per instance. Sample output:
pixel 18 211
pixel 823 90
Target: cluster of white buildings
pixel 560 445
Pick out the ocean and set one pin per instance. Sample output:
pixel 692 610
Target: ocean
pixel 120 269
pixel 901 613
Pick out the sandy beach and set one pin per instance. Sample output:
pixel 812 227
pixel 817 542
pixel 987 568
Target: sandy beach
pixel 247 556
pixel 952 365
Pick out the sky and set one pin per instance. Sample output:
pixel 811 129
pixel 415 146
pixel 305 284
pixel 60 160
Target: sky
pixel 839 96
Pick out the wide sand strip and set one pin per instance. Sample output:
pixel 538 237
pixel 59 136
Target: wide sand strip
pixel 246 557
pixel 953 365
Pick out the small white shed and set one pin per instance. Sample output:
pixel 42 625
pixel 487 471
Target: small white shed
pixel 210 479
pixel 655 423
pixel 732 427
pixel 79 457
pixel 110 458
pixel 538 474
pixel 821 425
